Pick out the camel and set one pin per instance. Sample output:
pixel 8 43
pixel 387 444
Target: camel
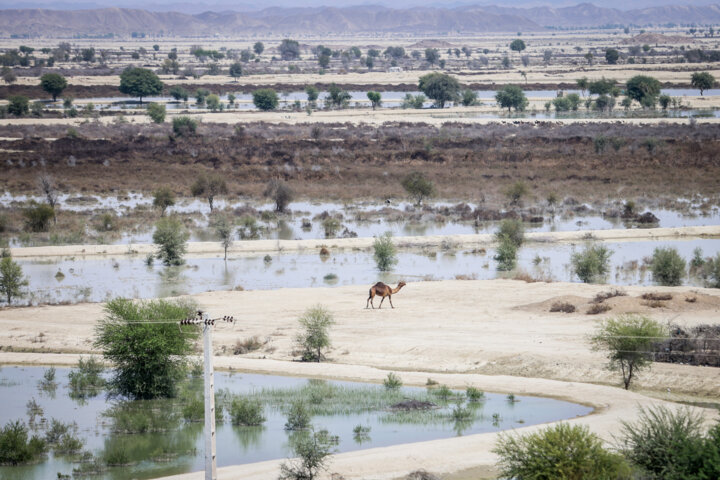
pixel 384 291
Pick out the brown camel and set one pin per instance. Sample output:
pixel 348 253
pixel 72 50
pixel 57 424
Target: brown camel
pixel 384 291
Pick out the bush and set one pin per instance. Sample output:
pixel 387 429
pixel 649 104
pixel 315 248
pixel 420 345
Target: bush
pixel 668 267
pixel 149 358
pixel 184 126
pixel 474 395
pixel 392 381
pixel 18 105
pixel 516 191
pixel 511 96
pixel 170 237
pixel 315 336
pixel 163 198
pixel 413 101
pixel 298 417
pixel 265 99
pixel 670 445
pixel 418 186
pixel 86 381
pixel 280 192
pixel 564 307
pixel 15 447
pixel 156 112
pixel 311 451
pixel 512 230
pixel 628 340
pixel 331 226
pixel 38 216
pixel 711 271
pixel 385 253
pixel 561 451
pixel 506 254
pixel 592 264
pixel 12 280
pixel 247 412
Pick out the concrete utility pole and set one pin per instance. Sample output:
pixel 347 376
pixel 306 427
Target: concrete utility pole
pixel 209 377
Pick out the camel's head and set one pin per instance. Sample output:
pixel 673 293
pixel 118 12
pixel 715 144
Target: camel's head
pixel 401 284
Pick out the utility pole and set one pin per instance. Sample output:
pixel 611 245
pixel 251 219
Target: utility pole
pixel 209 377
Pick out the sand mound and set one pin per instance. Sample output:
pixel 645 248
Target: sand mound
pixel 432 44
pixel 657 38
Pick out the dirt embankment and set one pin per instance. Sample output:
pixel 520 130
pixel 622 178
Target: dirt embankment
pixel 345 161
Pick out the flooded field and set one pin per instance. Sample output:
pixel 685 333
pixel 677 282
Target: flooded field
pixel 114 449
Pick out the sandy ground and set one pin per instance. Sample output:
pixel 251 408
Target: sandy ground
pixel 496 335
pixel 260 246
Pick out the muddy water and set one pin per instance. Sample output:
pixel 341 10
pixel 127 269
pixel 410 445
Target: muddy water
pixel 95 279
pixel 180 448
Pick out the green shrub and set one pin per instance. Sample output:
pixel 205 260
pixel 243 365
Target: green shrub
pixel 516 191
pixel 170 236
pixel 711 271
pixel 392 381
pixel 194 410
pixel 15 447
pixel 562 451
pixel 506 254
pixel 86 381
pixel 149 358
pixel 315 335
pixel 298 417
pixel 668 267
pixel 513 230
pixel 38 216
pixel 265 99
pixel 184 125
pixel 311 451
pixel 385 253
pixel 592 264
pixel 12 281
pixel 474 395
pixel 244 411
pixel 331 226
pixel 156 112
pixel 418 186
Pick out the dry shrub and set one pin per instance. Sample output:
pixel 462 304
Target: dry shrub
pixel 613 292
pixel 597 308
pixel 466 277
pixel 691 299
pixel 324 251
pixel 248 345
pixel 656 296
pixel 421 475
pixel 564 307
pixel 654 304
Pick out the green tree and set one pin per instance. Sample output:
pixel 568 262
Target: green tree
pixel 8 74
pixel 224 231
pixel 312 93
pixel 562 451
pixel 511 96
pixel 179 93
pixel 417 185
pixel 312 450
pixel 210 186
pixel 604 86
pixel 516 191
pixel 213 102
pixel 289 49
pixel 702 81
pixel 281 194
pixel 314 336
pixel 324 60
pixel 469 98
pixel 236 70
pixel 170 236
pixel 184 125
pixel 259 48
pixel 140 82
pixel 16 448
pixel 148 357
pixel 511 229
pixel 664 101
pixel 385 252
pixel 163 198
pixel 265 99
pixel 54 84
pixel 643 89
pixel 337 97
pixel 592 264
pixel 12 281
pixel 38 216
pixel 668 267
pixel 612 56
pixel 440 87
pixel 375 99
pixel 517 45
pixel 432 55
pixel 582 84
pixel 19 105
pixel 156 112
pixel 628 339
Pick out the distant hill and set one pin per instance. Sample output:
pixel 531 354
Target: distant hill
pixel 320 20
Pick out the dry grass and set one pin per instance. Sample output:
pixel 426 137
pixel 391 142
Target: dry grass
pixel 248 345
pixel 613 292
pixel 598 308
pixel 564 307
pixel 656 296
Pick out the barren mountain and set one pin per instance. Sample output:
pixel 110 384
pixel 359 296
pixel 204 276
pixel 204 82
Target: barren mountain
pixel 319 20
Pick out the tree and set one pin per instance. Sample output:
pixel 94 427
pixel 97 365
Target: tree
pixel 12 281
pixel 418 186
pixel 265 99
pixel 469 98
pixel 8 74
pixel 49 189
pixel 337 97
pixel 589 57
pixel 163 198
pixel 314 336
pixel 702 81
pixel 664 101
pixel 54 84
pixel 16 448
pixel 224 232
pixel 289 49
pixel 19 105
pixel 385 253
pixel 643 89
pixel 324 61
pixel 628 340
pixel 604 86
pixel 258 48
pixel 213 102
pixel 517 45
pixel 582 84
pixel 170 236
pixel 432 55
pixel 236 70
pixel 440 87
pixel 375 99
pixel 148 357
pixel 209 185
pixel 311 449
pixel 184 125
pixel 668 267
pixel 560 451
pixel 280 192
pixel 37 216
pixel 592 264
pixel 612 56
pixel 156 112
pixel 511 96
pixel 140 82
pixel 179 93
pixel 312 93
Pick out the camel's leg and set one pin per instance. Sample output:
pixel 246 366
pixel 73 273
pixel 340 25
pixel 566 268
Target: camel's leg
pixel 371 297
pixel 390 298
pixel 383 299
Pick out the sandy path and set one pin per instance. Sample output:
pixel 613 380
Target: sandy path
pixel 261 246
pixel 455 332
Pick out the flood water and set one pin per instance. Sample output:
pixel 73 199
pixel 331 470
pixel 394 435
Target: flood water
pixel 77 279
pixel 180 448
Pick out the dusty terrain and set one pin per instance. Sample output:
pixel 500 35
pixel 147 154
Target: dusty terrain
pixel 495 335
